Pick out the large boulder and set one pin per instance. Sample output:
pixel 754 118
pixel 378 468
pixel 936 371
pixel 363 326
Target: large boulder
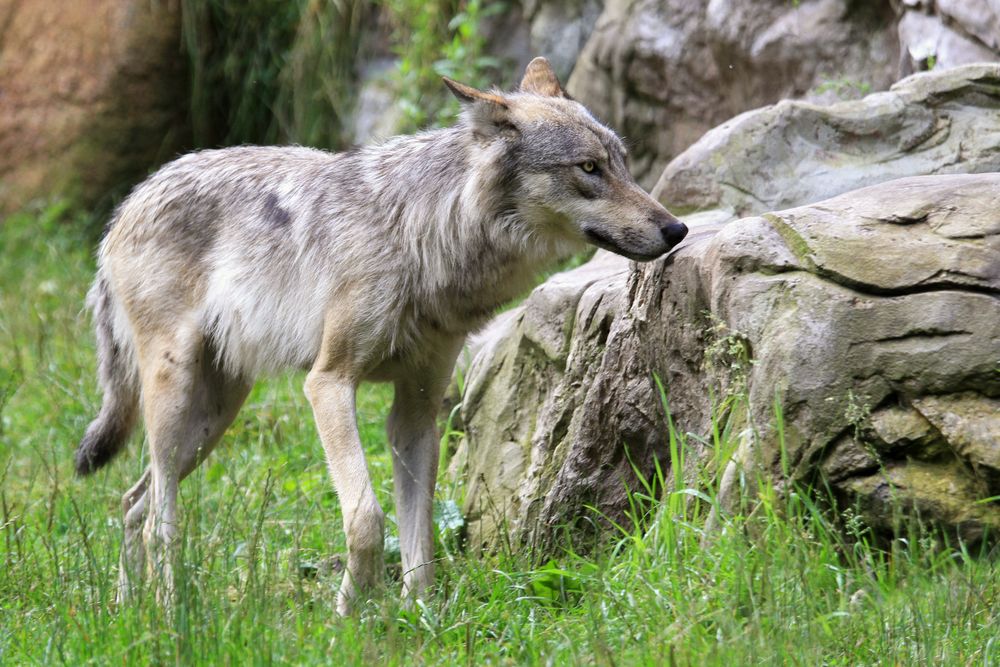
pixel 88 96
pixel 663 73
pixel 871 321
pixel 946 33
pixel 523 408
pixel 793 152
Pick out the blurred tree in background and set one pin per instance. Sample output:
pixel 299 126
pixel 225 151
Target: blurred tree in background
pixel 435 39
pixel 271 71
pixel 280 71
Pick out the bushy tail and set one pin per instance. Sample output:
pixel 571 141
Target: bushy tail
pixel 118 375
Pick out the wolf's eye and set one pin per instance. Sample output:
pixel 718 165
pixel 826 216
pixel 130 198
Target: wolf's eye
pixel 589 167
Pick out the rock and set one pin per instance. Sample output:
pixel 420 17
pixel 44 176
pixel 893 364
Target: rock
pixel 517 381
pixel 793 153
pixel 895 427
pixel 873 323
pixel 842 335
pixel 664 73
pixel 376 116
pixel 560 29
pixel 971 425
pixel 844 461
pixel 940 494
pixel 927 43
pixel 88 96
pixel 979 19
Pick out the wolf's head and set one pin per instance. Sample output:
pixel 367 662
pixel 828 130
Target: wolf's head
pixel 566 170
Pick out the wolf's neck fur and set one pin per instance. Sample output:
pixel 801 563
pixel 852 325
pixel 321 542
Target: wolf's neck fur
pixel 456 220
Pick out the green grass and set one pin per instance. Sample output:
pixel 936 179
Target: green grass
pixel 261 526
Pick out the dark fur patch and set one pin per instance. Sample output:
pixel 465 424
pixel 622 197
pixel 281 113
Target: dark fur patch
pixel 100 444
pixel 275 214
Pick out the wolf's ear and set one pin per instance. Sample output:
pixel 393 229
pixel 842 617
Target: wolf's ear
pixel 468 94
pixel 539 79
pixel 488 113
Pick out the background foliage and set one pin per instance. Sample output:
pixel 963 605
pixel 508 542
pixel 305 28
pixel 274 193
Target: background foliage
pixel 285 71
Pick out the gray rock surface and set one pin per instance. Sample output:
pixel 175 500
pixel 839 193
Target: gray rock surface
pixel 951 32
pixel 663 73
pixel 794 152
pixel 558 30
pixel 873 322
pixel 978 18
pixel 872 319
pixel 522 402
pixel 927 42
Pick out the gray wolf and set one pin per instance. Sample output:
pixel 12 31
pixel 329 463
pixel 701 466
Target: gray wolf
pixel 367 265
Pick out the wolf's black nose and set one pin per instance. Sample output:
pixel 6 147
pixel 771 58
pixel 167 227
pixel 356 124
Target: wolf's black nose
pixel 674 233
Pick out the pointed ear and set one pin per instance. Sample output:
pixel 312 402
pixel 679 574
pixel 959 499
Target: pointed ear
pixel 468 94
pixel 488 113
pixel 539 79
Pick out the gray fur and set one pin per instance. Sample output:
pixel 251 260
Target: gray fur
pixel 116 369
pixel 367 265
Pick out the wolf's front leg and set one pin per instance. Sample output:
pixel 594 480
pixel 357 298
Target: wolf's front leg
pixel 414 441
pixel 413 438
pixel 332 397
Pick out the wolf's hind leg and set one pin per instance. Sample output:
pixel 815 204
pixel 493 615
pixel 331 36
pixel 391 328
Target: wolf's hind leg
pixel 133 554
pixel 188 404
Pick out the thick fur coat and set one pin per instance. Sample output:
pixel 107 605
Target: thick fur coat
pixel 371 264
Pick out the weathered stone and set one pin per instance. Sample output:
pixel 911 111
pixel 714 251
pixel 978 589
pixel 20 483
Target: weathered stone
pixel 939 494
pixel 560 29
pixel 971 425
pixel 859 313
pixel 663 73
pixel 794 153
pixel 89 96
pixel 834 331
pixel 847 460
pixel 864 315
pixel 896 427
pixel 926 42
pixel 978 18
pixel 514 383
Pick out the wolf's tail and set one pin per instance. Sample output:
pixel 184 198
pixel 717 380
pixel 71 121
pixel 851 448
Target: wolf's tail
pixel 119 378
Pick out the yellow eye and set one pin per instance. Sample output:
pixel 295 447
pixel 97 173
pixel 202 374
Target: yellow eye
pixel 588 167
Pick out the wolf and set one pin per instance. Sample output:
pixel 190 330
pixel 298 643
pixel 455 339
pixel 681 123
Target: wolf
pixel 366 265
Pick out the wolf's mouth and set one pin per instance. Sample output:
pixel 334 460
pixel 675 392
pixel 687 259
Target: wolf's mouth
pixel 602 241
